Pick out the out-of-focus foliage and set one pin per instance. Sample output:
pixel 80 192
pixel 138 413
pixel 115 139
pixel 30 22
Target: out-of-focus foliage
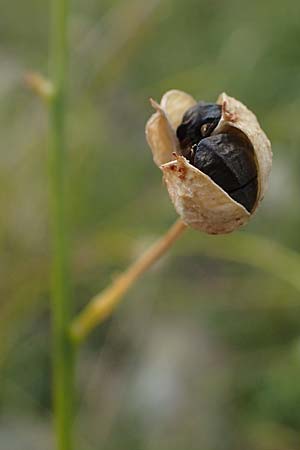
pixel 204 353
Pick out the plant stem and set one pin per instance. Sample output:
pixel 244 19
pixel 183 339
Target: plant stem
pixel 63 352
pixel 103 304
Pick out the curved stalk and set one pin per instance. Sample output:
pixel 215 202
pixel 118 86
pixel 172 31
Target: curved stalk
pixel 242 248
pixel 103 304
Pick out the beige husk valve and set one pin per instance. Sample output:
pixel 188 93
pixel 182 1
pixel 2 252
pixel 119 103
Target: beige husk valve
pixel 199 200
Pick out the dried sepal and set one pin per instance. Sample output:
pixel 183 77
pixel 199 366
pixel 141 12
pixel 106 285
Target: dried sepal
pixel 175 103
pixel 160 136
pixel 161 127
pixel 237 115
pixel 199 201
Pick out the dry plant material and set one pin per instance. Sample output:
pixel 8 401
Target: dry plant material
pixel 215 159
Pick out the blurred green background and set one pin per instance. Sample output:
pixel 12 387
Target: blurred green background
pixel 204 353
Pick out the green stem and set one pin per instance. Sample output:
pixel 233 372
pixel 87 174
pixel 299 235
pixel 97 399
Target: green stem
pixel 63 352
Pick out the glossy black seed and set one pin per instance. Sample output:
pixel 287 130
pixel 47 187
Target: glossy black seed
pixel 228 160
pixel 198 122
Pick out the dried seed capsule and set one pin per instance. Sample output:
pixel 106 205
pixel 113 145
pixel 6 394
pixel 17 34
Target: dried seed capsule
pixel 198 122
pixel 223 200
pixel 228 159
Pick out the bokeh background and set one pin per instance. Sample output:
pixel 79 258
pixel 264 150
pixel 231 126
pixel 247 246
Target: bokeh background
pixel 204 352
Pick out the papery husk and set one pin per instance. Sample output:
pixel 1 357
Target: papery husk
pixel 161 136
pixel 237 115
pixel 199 201
pixel 161 127
pixel 175 103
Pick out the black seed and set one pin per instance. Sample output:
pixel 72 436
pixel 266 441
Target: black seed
pixel 228 159
pixel 191 130
pixel 246 195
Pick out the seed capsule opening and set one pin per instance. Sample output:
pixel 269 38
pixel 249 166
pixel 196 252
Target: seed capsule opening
pixel 227 158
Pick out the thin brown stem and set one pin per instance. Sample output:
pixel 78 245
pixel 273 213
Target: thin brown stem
pixel 102 305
